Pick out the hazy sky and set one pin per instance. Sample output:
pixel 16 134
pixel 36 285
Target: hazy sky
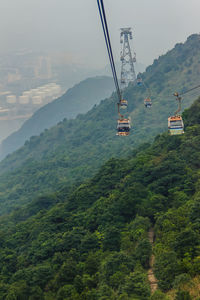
pixel 74 26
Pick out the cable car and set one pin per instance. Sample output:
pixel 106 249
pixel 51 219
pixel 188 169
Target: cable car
pixel 123 127
pixel 147 102
pixel 139 81
pixel 175 125
pixel 123 104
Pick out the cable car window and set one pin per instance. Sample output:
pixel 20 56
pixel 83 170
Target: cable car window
pixel 176 123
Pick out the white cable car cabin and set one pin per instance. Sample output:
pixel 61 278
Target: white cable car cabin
pixel 147 102
pixel 175 125
pixel 123 127
pixel 123 104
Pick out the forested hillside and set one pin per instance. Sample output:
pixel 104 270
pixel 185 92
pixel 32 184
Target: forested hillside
pixel 91 242
pixel 79 99
pixel 73 150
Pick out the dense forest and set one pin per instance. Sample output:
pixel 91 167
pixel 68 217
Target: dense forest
pixel 91 242
pixel 73 151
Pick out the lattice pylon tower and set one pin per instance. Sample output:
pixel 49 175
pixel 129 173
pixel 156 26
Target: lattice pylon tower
pixel 127 59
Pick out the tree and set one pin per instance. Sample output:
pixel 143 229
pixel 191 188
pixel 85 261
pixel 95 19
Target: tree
pixel 166 269
pixel 18 290
pixel 111 239
pixel 183 295
pixel 36 294
pixel 143 252
pixel 136 284
pixel 158 295
pixel 67 292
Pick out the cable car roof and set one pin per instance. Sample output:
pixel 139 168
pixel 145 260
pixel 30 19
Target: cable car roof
pixel 175 118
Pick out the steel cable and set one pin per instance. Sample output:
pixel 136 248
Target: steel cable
pixel 108 45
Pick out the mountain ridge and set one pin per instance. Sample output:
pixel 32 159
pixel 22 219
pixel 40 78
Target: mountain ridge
pixel 72 151
pixel 78 99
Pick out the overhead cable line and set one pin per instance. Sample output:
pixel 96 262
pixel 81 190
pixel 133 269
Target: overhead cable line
pixel 108 45
pixel 194 88
pixel 123 125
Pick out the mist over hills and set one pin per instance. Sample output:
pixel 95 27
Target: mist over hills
pixel 73 150
pixel 78 99
pixel 81 98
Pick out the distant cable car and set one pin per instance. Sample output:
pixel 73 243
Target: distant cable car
pixel 123 103
pixel 139 81
pixel 175 125
pixel 147 102
pixel 123 127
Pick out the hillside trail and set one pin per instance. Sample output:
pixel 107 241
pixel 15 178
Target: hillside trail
pixel 151 277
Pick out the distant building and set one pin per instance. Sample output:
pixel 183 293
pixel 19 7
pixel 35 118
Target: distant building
pixel 24 99
pixel 11 99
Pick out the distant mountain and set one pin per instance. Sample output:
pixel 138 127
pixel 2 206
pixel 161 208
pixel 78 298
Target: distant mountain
pixel 79 99
pixel 73 150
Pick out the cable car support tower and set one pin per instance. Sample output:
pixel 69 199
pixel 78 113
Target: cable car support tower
pixel 127 59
